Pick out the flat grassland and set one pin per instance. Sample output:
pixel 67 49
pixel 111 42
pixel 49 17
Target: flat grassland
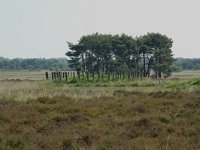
pixel 135 114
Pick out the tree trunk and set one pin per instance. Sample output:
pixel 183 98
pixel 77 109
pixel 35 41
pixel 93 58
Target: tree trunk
pixel 144 65
pixel 159 74
pixel 83 62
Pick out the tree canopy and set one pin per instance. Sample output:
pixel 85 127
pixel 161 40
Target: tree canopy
pixel 106 52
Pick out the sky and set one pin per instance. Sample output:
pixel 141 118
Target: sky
pixel 40 28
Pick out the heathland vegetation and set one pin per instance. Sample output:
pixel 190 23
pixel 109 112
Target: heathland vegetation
pixel 122 113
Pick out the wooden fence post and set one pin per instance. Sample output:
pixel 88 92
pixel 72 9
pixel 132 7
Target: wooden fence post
pixel 132 74
pixel 87 76
pixel 138 74
pixel 74 75
pixel 52 76
pixel 83 75
pixel 128 75
pixel 47 75
pixel 108 75
pixel 78 73
pixel 118 75
pixel 102 75
pixel 141 74
pixel 98 73
pixel 66 76
pixel 63 74
pixel 56 73
pixel 92 75
pixel 60 77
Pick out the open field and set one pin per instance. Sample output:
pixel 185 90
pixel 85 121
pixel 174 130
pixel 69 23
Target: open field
pixel 22 86
pixel 186 74
pixel 22 75
pixel 40 114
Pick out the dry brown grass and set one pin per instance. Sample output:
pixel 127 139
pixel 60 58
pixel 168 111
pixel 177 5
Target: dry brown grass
pixel 133 120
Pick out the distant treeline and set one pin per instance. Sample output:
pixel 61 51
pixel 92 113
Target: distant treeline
pixel 186 64
pixel 52 64
pixel 56 64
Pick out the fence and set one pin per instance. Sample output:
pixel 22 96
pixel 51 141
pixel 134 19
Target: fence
pixel 94 76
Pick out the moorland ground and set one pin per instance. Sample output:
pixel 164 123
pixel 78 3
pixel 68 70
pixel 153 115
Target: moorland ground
pixel 134 114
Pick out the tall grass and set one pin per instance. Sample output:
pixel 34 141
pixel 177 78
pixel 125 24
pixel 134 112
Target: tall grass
pixel 25 90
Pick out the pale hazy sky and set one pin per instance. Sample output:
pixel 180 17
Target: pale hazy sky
pixel 40 28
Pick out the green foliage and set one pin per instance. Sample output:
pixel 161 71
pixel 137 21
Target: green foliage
pixel 195 81
pixel 175 68
pixel 53 64
pixel 59 83
pixel 73 81
pixel 186 64
pixel 107 53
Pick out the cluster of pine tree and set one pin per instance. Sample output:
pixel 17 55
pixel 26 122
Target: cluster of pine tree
pixel 107 53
